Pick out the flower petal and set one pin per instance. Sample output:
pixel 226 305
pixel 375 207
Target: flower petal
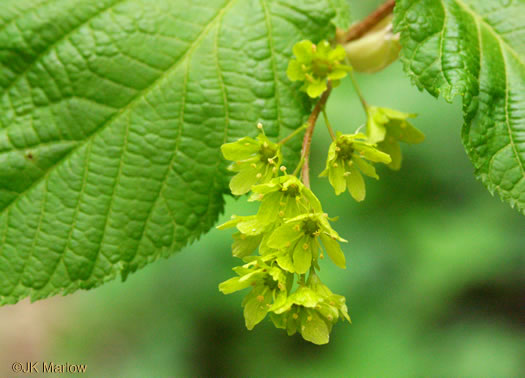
pixel 285 261
pixel 356 184
pixel 304 51
pixel 336 176
pixel 302 255
pixel 404 131
pixel 240 150
pixel 337 54
pixel 392 148
pixel 295 71
pixel 333 249
pixel 245 245
pixel 315 328
pixel 373 154
pixel 242 182
pixel 337 74
pixel 256 306
pixel 284 235
pixel 234 284
pixel 269 209
pixel 367 169
pixel 375 130
pixel 316 88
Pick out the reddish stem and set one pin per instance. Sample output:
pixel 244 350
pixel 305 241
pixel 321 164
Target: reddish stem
pixel 358 30
pixel 307 140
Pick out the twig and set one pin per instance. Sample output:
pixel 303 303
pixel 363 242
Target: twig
pixel 307 140
pixel 358 30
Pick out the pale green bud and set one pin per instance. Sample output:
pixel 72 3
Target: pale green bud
pixel 375 50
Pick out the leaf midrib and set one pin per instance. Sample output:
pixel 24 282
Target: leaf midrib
pixel 138 97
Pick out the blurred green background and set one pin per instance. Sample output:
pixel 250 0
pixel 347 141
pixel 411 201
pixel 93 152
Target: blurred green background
pixel 435 283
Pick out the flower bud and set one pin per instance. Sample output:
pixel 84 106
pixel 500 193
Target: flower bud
pixel 376 49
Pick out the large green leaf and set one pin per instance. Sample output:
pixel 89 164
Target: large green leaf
pixel 475 48
pixel 111 117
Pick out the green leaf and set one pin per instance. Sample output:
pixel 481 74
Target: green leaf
pixel 343 16
pixel 112 114
pixel 475 49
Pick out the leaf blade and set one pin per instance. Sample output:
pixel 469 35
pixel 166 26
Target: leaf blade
pixel 475 49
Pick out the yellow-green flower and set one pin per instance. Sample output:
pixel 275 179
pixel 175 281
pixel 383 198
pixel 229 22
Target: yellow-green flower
pixel 388 127
pixel 298 239
pixel 315 65
pixel 312 311
pixel 270 286
pixel 256 161
pixel 346 161
pixel 248 239
pixel 284 197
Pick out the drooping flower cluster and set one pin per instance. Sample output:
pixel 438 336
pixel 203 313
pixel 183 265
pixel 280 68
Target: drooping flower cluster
pixel 281 244
pixel 290 232
pixel 316 64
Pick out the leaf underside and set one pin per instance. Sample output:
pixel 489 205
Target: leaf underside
pixel 475 48
pixel 112 113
